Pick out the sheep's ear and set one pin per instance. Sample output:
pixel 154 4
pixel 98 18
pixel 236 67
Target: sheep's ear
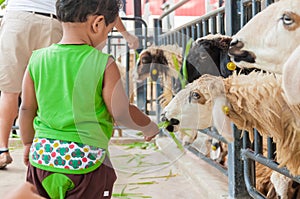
pixel 224 43
pixel 290 78
pixel 220 119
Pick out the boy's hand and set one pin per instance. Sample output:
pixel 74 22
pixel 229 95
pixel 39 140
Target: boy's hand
pixel 152 133
pixel 133 41
pixel 26 154
pixel 149 138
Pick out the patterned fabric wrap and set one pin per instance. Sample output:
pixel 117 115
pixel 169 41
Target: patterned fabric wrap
pixel 64 155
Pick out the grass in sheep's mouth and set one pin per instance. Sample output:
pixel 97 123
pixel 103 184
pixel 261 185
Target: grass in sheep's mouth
pixel 163 125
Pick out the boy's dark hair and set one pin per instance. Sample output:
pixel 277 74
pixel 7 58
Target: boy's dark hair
pixel 79 10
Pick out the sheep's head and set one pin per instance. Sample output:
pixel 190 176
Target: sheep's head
pixel 206 56
pixel 192 106
pixel 157 61
pixel 200 105
pixel 268 38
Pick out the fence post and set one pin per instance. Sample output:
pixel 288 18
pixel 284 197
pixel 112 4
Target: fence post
pixel 232 10
pixel 237 188
pixel 157 32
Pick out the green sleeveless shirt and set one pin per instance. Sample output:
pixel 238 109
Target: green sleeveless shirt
pixel 68 85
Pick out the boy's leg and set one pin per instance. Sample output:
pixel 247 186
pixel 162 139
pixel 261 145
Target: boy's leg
pixel 96 184
pixel 8 113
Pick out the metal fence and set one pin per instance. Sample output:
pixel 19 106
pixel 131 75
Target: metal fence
pixel 242 154
pixel 210 23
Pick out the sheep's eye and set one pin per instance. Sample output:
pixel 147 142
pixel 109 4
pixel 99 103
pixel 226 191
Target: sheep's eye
pixel 195 95
pixel 287 20
pixel 146 60
pixel 203 55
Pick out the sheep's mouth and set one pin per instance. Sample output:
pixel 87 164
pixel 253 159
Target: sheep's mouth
pixel 241 55
pixel 171 124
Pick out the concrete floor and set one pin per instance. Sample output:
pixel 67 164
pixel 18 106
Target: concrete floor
pixel 162 173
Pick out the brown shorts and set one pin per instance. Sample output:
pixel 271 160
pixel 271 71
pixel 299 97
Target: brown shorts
pixel 96 184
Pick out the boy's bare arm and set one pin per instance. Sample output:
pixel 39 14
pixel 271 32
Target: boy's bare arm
pixel 118 104
pixel 27 113
pixel 133 41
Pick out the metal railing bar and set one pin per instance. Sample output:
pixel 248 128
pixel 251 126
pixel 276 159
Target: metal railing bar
pixel 173 8
pixel 196 21
pixel 248 154
pixel 213 163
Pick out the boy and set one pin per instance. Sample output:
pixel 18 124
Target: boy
pixel 71 95
pixel 27 25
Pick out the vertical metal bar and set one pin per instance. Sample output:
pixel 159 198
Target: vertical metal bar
pixel 213 25
pixel 258 142
pixel 124 5
pixel 127 70
pixel 138 13
pixel 271 148
pixel 258 150
pixel 109 45
pixel 254 7
pixel 250 166
pixel 222 24
pixel 205 27
pixel 193 33
pixel 187 34
pixel 183 38
pixel 157 30
pixel 237 188
pixel 159 91
pixel 145 97
pixel 233 18
pixel 243 15
pixel 199 30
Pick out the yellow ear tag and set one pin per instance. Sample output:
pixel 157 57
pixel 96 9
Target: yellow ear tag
pixel 225 110
pixel 231 66
pixel 154 72
pixel 214 148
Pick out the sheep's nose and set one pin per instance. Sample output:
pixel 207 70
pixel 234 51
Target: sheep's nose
pixel 174 121
pixel 236 43
pixel 163 117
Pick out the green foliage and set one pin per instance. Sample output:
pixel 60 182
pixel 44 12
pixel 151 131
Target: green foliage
pixel 163 125
pixel 187 50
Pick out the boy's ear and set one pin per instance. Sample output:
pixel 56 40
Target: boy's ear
pixel 97 23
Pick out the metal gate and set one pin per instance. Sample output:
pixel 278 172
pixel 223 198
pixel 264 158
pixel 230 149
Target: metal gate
pixel 242 154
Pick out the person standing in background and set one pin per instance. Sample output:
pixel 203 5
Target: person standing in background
pixel 27 25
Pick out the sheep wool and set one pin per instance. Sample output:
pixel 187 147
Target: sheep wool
pixel 257 101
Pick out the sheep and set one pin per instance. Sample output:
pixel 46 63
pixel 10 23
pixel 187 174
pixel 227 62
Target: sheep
pixel 290 79
pixel 208 55
pixel 249 101
pixel 269 38
pixel 160 61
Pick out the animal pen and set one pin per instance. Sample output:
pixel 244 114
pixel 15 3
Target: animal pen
pixel 242 154
pixel 226 20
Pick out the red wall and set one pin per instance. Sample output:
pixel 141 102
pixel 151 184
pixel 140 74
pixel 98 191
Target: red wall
pixel 191 8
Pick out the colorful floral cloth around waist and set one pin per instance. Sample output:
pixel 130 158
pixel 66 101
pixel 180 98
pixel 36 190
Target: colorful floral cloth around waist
pixel 58 154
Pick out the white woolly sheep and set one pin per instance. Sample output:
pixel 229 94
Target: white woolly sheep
pixel 269 38
pixel 249 101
